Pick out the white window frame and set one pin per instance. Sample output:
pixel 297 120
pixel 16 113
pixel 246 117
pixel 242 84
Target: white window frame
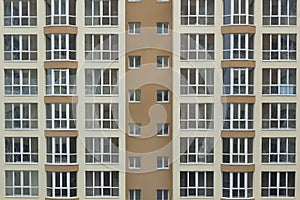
pixel 134 96
pixel 101 150
pixel 134 129
pixel 162 129
pixel 66 119
pixel 245 189
pixel 279 150
pixel 134 162
pixel 101 82
pixel 267 118
pixel 134 194
pixel 31 187
pixel 64 177
pixel 162 162
pixel 63 13
pixel 26 16
pixel 60 47
pixel 162 28
pixel 162 96
pixel 162 194
pixel 244 13
pixel 287 52
pixel 134 62
pixel 196 187
pixel 196 150
pixel 244 116
pixel 134 28
pixel 21 82
pixel 287 75
pixel 21 150
pixel 61 82
pixel 238 151
pixel 162 62
pixel 16 117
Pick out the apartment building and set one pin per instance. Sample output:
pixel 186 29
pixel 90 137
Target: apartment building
pixel 149 99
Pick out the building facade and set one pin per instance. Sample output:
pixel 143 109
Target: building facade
pixel 149 99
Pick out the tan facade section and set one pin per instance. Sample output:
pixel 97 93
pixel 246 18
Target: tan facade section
pixel 61 99
pixel 60 133
pixel 238 29
pixel 238 63
pixel 61 168
pixel 60 64
pixel 238 134
pixel 238 99
pixel 60 30
pixel 237 168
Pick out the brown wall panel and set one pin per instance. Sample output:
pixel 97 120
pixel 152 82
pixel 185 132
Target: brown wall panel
pixel 61 168
pixel 60 64
pixel 238 99
pixel 238 29
pixel 237 168
pixel 66 133
pixel 238 134
pixel 61 99
pixel 238 63
pixel 60 29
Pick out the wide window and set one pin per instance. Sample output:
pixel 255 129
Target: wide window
pixel 60 12
pixel 238 185
pixel 60 47
pixel 60 81
pixel 21 82
pixel 196 116
pixel 61 116
pixel 278 184
pixel 197 47
pixel 279 115
pixel 197 81
pixel 21 150
pixel 21 183
pixel 279 12
pixel 20 13
pixel 100 150
pixel 237 116
pixel 102 184
pixel 103 47
pixel 61 184
pixel 238 81
pixel 21 116
pixel 279 81
pixel 61 150
pixel 20 47
pixel 279 47
pixel 197 12
pixel 238 46
pixel 238 12
pixel 238 151
pixel 196 184
pixel 101 12
pixel 101 82
pixel 196 150
pixel 279 150
pixel 101 116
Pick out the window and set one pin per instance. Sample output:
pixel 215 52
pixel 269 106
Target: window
pixel 101 12
pixel 61 150
pixel 237 116
pixel 238 12
pixel 61 184
pixel 238 46
pixel 102 184
pixel 196 116
pixel 21 82
pixel 278 184
pixel 197 12
pixel 21 150
pixel 101 116
pixel 102 47
pixel 162 162
pixel 102 150
pixel 279 12
pixel 279 150
pixel 61 116
pixel 135 194
pixel 196 184
pixel 60 81
pixel 134 129
pixel 162 96
pixel 162 194
pixel 20 13
pixel 162 28
pixel 20 47
pixel 196 150
pixel 162 61
pixel 101 82
pixel 197 47
pixel 134 62
pixel 60 47
pixel 196 81
pixel 279 47
pixel 238 81
pixel 279 81
pixel 237 184
pixel 279 115
pixel 134 96
pixel 21 183
pixel 162 129
pixel 134 162
pixel 21 116
pixel 60 12
pixel 238 151
pixel 134 28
